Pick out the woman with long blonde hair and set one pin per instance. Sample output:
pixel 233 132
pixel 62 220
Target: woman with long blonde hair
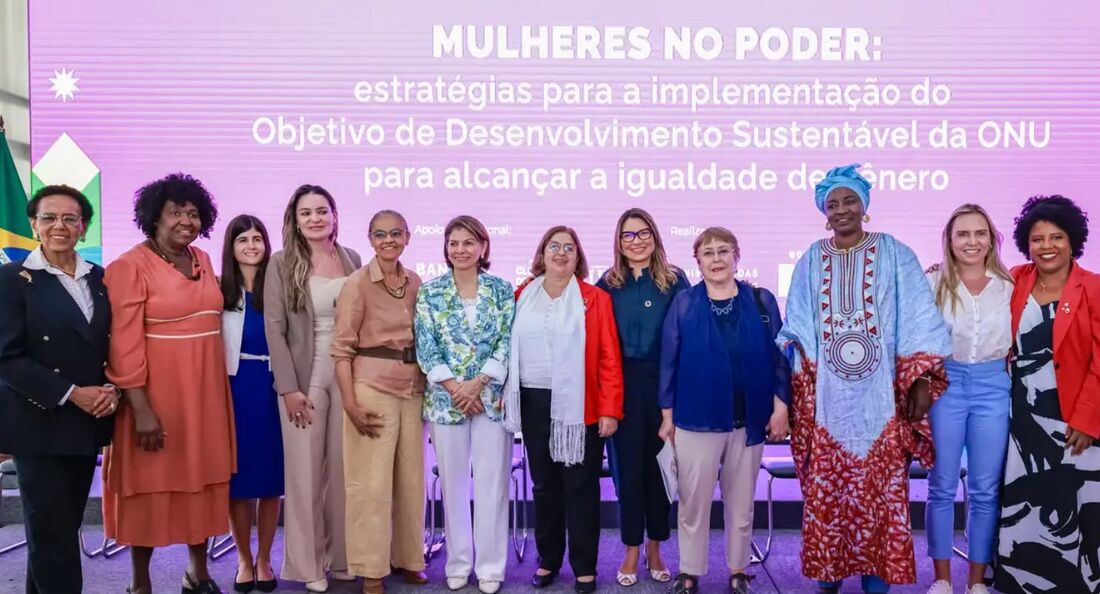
pixel 641 283
pixel 302 283
pixel 973 290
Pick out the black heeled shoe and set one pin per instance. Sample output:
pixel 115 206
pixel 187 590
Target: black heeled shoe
pixel 541 581
pixel 191 586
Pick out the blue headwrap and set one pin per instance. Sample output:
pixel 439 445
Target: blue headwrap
pixel 843 177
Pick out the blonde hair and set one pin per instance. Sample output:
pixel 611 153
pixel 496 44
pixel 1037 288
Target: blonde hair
pixel 296 250
pixel 662 272
pixel 948 283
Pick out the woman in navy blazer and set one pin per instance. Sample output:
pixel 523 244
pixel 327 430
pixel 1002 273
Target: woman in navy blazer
pixel 55 409
pixel 724 387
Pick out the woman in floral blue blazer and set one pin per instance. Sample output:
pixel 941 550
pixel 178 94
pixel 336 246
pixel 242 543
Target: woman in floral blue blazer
pixel 463 333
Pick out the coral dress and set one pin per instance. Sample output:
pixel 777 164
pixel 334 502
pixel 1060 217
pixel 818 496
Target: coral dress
pixel 165 336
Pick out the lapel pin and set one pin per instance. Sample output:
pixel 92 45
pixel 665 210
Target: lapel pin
pixel 1065 308
pixel 27 276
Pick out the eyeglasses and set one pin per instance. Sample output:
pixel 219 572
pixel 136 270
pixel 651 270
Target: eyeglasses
pixel 49 218
pixel 630 236
pixel 718 254
pixel 392 233
pixel 556 247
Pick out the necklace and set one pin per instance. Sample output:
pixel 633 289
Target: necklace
pixel 724 310
pixel 854 246
pixel 398 293
pixel 190 265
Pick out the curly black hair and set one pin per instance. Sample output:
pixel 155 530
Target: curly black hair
pixel 178 188
pixel 1057 210
pixel 86 211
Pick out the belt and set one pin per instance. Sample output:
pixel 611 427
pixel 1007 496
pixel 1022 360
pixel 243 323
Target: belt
pixel 251 357
pixel 405 355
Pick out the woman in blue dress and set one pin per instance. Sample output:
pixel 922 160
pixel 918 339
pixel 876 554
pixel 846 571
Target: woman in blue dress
pixel 255 405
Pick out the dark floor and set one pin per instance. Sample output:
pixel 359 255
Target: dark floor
pixel 780 574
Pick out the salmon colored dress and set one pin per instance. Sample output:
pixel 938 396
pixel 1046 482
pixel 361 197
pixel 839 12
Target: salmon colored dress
pixel 165 336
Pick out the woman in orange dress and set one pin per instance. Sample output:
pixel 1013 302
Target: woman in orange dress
pixel 166 476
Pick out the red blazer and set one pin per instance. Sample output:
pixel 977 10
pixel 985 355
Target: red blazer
pixel 1076 343
pixel 603 362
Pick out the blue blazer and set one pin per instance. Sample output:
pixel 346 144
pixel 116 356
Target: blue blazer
pixel 46 346
pixel 696 379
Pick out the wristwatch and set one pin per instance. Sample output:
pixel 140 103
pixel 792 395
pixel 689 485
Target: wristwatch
pixel 484 379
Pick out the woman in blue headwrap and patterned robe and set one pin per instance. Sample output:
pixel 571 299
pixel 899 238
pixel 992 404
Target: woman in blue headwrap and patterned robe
pixel 867 345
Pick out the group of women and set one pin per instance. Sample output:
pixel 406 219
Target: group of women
pixel 306 376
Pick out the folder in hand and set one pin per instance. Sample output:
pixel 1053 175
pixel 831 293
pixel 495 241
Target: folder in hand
pixel 666 460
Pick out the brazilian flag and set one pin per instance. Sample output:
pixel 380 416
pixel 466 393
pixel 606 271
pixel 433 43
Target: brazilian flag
pixel 16 237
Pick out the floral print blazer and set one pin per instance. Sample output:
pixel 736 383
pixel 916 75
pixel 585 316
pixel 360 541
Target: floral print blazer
pixel 447 347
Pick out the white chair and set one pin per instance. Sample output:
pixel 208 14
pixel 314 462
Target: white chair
pixel 7 468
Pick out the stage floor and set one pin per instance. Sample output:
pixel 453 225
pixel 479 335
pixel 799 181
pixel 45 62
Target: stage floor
pixel 787 498
pixel 780 574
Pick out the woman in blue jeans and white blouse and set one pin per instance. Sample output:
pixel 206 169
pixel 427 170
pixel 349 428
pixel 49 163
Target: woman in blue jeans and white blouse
pixel 973 290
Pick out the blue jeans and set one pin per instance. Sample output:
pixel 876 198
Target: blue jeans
pixel 972 413
pixel 872 584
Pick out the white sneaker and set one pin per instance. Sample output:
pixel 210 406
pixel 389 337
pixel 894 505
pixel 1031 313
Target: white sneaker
pixel 457 583
pixel 320 585
pixel 342 576
pixel 940 587
pixel 488 586
pixel 977 589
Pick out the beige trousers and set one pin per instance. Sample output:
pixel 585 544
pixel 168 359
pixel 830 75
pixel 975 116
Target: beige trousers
pixel 701 459
pixel 385 487
pixel 313 510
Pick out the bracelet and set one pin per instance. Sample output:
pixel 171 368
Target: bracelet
pixel 925 378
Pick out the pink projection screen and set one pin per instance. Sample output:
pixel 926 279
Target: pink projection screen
pixel 529 114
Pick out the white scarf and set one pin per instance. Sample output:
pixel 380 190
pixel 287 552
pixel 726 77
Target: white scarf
pixel 567 428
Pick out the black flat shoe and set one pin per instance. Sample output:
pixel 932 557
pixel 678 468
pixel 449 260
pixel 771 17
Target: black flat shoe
pixel 244 587
pixel 191 586
pixel 679 585
pixel 541 581
pixel 584 587
pixel 267 585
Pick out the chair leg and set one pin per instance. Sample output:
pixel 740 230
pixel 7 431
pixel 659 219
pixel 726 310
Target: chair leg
pixel 107 547
pixel 218 546
pixel 966 521
pixel 13 546
pixel 758 555
pixel 436 534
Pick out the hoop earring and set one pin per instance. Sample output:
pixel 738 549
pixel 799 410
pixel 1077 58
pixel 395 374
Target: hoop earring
pixel 828 226
pixel 866 218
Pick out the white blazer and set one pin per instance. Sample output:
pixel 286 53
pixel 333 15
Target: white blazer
pixel 232 334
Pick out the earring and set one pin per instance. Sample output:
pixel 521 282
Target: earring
pixel 83 238
pixel 866 218
pixel 828 226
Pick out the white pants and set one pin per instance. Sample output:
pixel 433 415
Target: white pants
pixel 702 459
pixel 489 447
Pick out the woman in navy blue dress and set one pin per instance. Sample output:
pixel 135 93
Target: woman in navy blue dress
pixel 255 405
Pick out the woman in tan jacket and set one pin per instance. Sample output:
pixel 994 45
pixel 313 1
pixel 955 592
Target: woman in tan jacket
pixel 383 392
pixel 300 290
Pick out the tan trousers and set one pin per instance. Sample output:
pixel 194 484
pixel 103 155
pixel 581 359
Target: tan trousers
pixel 313 511
pixel 702 459
pixel 385 487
